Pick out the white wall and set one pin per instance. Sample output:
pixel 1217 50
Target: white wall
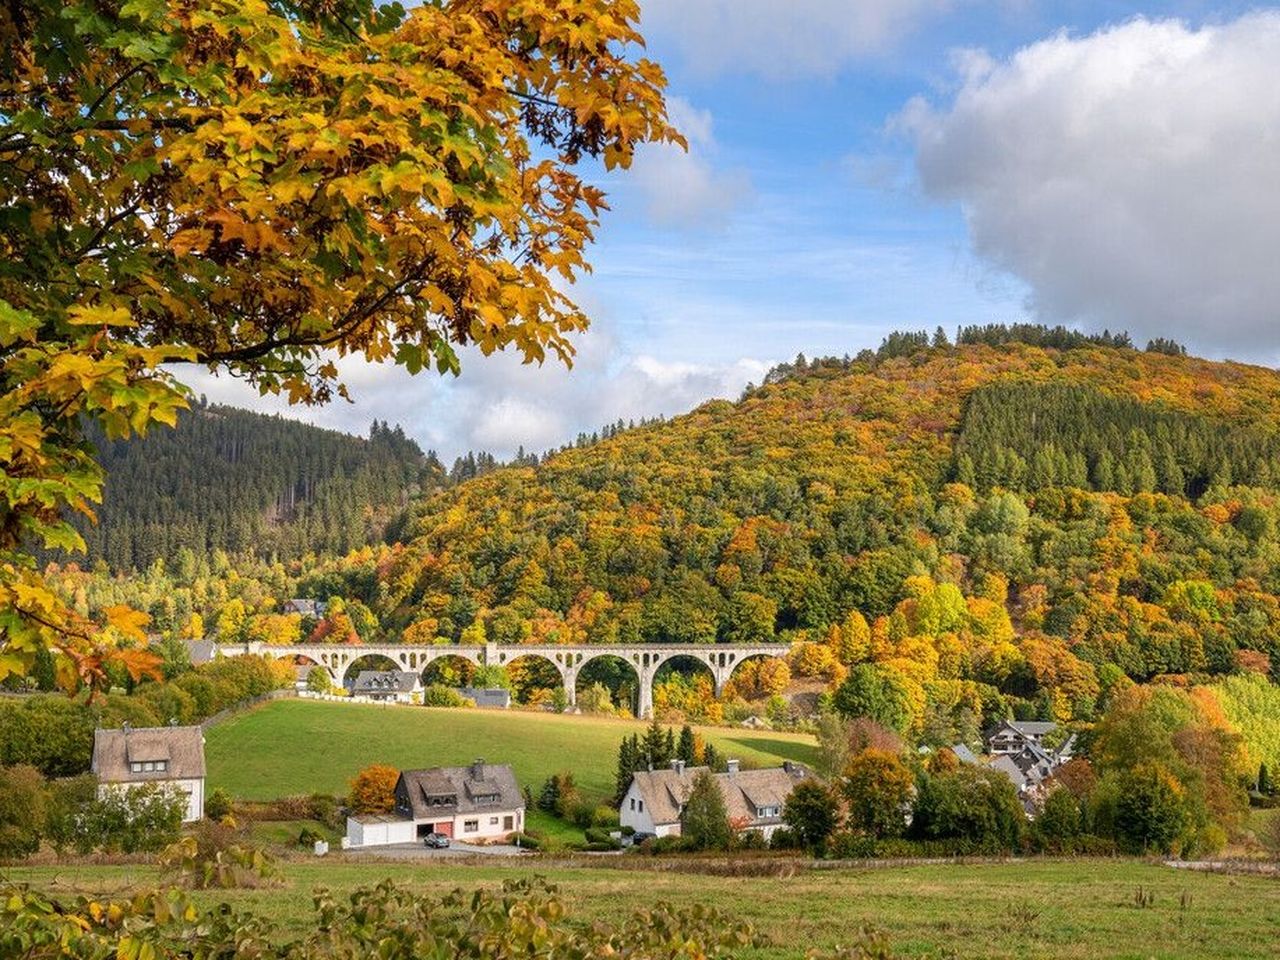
pixel 640 818
pixel 194 790
pixel 489 825
pixel 379 832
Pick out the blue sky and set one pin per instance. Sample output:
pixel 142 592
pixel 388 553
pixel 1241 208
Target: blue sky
pixel 859 166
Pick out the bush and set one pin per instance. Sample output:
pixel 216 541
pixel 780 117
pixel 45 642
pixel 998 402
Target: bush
pixel 526 840
pixel 673 844
pixel 604 817
pixel 217 805
pixel 142 819
pixel 324 808
pixel 784 839
pixel 525 918
pixel 22 811
pixel 599 847
pixel 439 695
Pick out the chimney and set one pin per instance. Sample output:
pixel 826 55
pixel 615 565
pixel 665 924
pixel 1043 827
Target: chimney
pixel 677 766
pixel 731 766
pixel 477 769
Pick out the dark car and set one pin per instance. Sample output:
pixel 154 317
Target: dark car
pixel 436 840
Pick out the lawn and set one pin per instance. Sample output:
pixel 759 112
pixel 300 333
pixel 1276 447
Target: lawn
pixel 1069 910
pixel 290 747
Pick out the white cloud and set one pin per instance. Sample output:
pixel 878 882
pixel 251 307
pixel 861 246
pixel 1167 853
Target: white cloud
pixel 499 404
pixel 1129 177
pixel 783 39
pixel 683 188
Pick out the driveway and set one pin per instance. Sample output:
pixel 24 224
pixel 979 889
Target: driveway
pixel 418 851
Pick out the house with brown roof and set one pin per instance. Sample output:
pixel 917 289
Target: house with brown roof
pixel 655 800
pixel 172 757
pixel 479 803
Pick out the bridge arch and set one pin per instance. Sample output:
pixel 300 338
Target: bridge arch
pixel 750 657
pixel 623 687
pixel 532 670
pixel 451 669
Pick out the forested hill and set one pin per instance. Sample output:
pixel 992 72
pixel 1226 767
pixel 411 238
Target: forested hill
pixel 1091 501
pixel 247 483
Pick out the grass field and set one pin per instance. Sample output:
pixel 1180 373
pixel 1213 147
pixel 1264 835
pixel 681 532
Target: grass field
pixel 1071 910
pixel 302 746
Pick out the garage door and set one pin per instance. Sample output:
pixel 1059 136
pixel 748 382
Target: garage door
pixel 446 828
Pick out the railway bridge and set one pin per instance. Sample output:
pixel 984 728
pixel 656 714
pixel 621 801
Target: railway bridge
pixel 645 659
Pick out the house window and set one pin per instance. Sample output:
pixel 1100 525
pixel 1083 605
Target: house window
pixel 470 826
pixel 148 766
pixel 508 823
pixel 641 807
pixel 633 803
pixel 135 767
pixel 493 821
pixel 162 765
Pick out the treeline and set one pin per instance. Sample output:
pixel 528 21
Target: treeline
pixel 1029 436
pixel 905 343
pixel 245 483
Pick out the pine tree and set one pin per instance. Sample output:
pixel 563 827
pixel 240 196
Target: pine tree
pixel 549 798
pixel 687 748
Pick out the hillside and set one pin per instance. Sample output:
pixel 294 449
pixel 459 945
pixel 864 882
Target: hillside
pixel 1032 520
pixel 241 482
pixel 535 744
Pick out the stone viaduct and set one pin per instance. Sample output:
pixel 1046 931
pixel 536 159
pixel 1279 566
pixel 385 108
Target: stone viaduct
pixel 644 659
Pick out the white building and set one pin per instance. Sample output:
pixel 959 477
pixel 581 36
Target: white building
pixel 172 756
pixel 755 799
pixel 480 803
pixel 396 686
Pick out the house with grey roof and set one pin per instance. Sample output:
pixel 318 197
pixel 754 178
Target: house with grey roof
pixel 491 698
pixel 171 757
pixel 315 609
pixel 755 799
pixel 478 803
pixel 398 686
pixel 1012 736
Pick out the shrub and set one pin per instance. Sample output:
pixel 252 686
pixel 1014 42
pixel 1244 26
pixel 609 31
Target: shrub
pixel 215 856
pixel 138 820
pixel 525 918
pixel 878 788
pixel 218 804
pixel 671 844
pixel 22 811
pixel 972 804
pixel 324 808
pixel 604 817
pixel 439 695
pixel 526 840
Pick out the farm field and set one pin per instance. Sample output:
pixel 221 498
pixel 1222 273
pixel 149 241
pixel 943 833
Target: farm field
pixel 1065 910
pixel 301 746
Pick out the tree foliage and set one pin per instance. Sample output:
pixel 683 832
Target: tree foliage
pixel 363 181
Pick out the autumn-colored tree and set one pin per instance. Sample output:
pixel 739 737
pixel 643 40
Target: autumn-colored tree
pixel 374 789
pixel 878 788
pixel 265 188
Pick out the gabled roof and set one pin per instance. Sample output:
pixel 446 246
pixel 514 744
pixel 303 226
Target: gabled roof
pixel 181 749
pixel 386 681
pixel 1030 728
pixel 1004 763
pixel 464 789
pixel 487 696
pixel 963 753
pixel 745 791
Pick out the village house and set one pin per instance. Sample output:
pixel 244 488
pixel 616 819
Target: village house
pixel 655 799
pixel 397 686
pixel 313 609
pixel 172 757
pixel 492 698
pixel 480 803
pixel 1018 750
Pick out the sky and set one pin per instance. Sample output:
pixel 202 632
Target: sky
pixel 861 166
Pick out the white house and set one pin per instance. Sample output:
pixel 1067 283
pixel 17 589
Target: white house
pixel 171 756
pixel 397 686
pixel 755 799
pixel 479 803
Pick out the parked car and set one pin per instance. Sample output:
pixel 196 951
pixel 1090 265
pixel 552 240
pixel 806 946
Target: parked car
pixel 437 841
